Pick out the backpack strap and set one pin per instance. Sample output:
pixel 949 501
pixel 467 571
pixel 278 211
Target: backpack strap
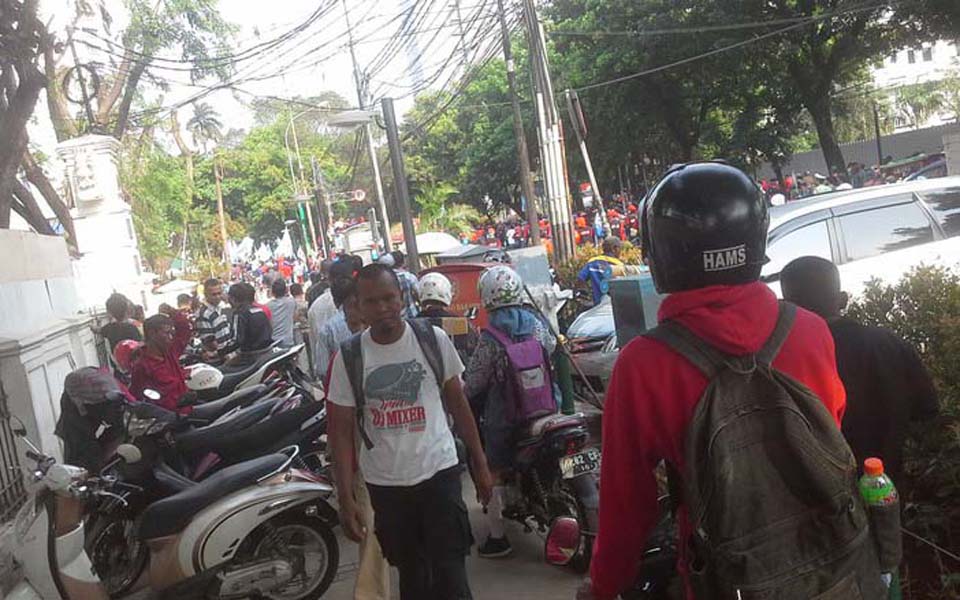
pixel 352 353
pixel 707 359
pixel 781 331
pixel 427 338
pixel 498 335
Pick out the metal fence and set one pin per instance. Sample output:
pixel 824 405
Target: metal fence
pixel 12 489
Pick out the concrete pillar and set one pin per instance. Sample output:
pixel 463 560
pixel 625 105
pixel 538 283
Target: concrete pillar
pixel 951 146
pixel 109 257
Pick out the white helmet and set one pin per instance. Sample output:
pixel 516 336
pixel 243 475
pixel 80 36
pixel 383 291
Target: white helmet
pixel 204 377
pixel 436 287
pixel 500 286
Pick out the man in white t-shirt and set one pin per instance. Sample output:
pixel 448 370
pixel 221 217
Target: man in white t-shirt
pixel 408 456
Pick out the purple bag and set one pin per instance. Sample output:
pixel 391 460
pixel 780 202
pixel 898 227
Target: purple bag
pixel 530 385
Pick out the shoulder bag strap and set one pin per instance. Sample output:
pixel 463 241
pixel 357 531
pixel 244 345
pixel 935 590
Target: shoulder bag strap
pixel 781 331
pixel 352 352
pixel 427 338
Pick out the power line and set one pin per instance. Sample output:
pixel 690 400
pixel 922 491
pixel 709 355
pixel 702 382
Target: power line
pixel 723 49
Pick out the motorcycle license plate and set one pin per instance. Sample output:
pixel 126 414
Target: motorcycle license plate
pixel 587 461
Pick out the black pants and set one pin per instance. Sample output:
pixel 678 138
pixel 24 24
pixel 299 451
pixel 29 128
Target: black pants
pixel 425 533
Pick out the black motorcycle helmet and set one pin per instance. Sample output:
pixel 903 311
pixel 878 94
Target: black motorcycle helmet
pixel 704 224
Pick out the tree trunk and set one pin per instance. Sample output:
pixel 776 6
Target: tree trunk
pixel 38 178
pixel 123 113
pixel 64 125
pixel 28 208
pixel 820 111
pixel 13 124
pixel 778 171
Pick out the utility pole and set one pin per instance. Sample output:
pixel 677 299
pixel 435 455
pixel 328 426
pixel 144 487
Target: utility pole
pixel 400 185
pixel 550 137
pixel 368 132
pixel 318 193
pixel 580 128
pixel 303 182
pixel 876 129
pixel 526 184
pixel 218 177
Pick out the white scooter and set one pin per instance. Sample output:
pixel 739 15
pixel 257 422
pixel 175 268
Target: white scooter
pixel 254 528
pixel 48 540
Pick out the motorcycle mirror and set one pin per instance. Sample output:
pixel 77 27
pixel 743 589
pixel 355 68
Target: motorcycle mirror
pixel 151 395
pixel 563 541
pixel 129 453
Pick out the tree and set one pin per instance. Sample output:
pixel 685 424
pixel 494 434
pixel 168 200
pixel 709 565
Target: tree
pixel 837 38
pixel 192 31
pixel 205 125
pixel 917 103
pixel 21 81
pixel 437 214
pixel 466 140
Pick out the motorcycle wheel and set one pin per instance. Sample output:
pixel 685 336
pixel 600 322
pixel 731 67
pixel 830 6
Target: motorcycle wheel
pixel 566 504
pixel 301 533
pixel 118 557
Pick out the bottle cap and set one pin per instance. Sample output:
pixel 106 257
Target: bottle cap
pixel 873 467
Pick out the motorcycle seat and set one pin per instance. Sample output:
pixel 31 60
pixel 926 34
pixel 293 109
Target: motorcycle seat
pixel 540 427
pixel 170 480
pixel 202 438
pixel 209 411
pixel 170 515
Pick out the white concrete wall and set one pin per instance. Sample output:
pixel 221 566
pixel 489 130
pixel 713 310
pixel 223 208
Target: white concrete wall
pixel 43 333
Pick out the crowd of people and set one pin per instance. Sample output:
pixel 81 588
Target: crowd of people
pixel 808 394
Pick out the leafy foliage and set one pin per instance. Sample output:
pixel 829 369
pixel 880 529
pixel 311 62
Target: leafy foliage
pixel 437 214
pixel 924 309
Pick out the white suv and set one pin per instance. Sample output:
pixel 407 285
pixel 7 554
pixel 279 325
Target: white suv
pixel 872 232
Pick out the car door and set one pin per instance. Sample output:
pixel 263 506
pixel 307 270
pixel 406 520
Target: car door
pixel 807 235
pixel 885 238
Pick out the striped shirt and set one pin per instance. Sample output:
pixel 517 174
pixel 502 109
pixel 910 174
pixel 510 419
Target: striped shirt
pixel 212 321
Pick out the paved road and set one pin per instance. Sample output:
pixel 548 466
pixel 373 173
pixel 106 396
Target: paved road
pixel 521 576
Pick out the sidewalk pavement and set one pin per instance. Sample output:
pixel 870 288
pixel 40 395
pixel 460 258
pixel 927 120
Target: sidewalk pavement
pixel 521 576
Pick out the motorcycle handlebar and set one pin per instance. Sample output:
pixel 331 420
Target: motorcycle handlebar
pixel 34 456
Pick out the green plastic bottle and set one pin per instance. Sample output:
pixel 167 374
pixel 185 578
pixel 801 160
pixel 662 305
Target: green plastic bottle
pixel 877 489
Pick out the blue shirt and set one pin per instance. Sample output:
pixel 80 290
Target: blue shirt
pixel 599 272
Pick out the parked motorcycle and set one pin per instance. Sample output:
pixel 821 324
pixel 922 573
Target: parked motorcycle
pixel 48 532
pixel 554 485
pixel 177 456
pixel 247 369
pixel 259 527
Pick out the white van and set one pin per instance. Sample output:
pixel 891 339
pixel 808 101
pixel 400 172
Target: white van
pixel 872 232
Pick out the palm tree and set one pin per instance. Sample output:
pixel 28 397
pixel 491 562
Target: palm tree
pixel 205 125
pixel 437 215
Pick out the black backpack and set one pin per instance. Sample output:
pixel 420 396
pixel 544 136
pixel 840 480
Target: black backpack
pixel 770 483
pixel 353 361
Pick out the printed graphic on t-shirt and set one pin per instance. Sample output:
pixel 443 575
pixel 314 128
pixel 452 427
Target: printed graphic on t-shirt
pixel 393 394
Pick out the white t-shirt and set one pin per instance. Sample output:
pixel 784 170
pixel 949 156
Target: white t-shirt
pixel 403 411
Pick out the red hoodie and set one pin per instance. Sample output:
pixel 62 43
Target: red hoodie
pixel 651 399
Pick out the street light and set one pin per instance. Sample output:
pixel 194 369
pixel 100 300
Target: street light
pixel 350 119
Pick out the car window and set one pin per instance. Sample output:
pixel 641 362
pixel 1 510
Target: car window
pixel 946 207
pixel 809 240
pixel 872 232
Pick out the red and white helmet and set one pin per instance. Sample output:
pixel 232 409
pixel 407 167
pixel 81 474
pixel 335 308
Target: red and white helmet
pixel 125 353
pixel 500 286
pixel 436 287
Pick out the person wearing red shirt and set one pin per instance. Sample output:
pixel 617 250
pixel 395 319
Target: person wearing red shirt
pixel 653 391
pixel 166 335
